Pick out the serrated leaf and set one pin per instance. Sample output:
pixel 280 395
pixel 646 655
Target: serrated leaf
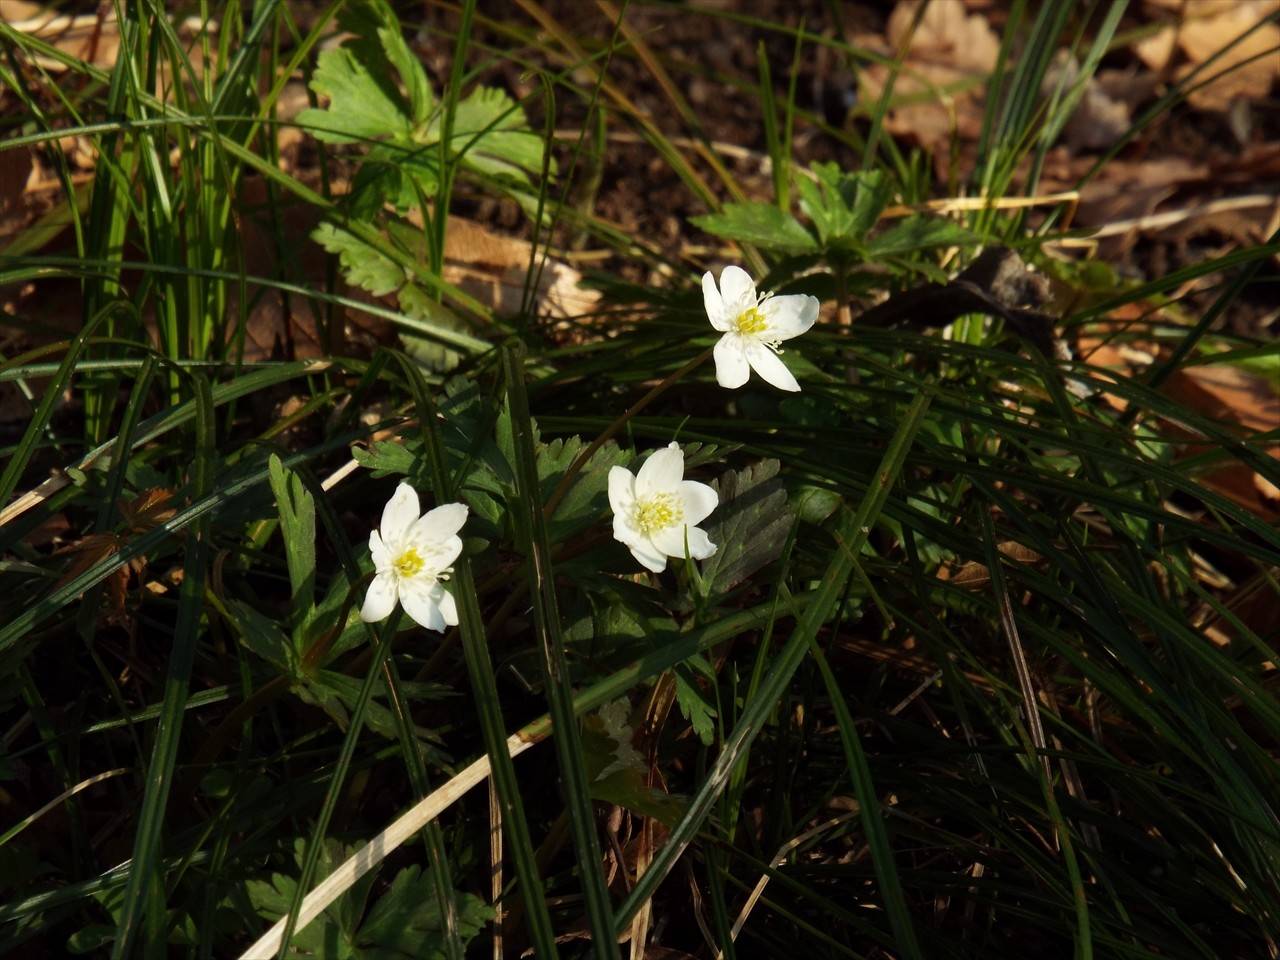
pixel 336 694
pixel 492 130
pixel 917 233
pixel 588 495
pixel 361 107
pixel 262 636
pixel 617 771
pixel 694 705
pixel 405 923
pixel 614 622
pixel 330 936
pixel 379 40
pixel 760 224
pixel 749 526
pixel 297 509
pixel 386 458
pixel 420 305
pixel 364 266
pixel 844 206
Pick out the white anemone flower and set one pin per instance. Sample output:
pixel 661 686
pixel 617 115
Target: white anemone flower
pixel 655 511
pixel 754 326
pixel 412 555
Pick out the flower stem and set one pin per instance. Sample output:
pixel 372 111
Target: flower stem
pixel 562 488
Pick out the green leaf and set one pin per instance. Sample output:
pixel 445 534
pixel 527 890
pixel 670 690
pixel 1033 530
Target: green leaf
pixel 380 40
pixel 330 936
pixel 493 136
pixel 263 636
pixel 432 354
pixel 617 769
pixel 364 266
pixel 815 504
pixel 844 206
pixel 298 527
pixel 917 233
pixel 405 923
pixel 760 224
pixel 750 525
pixel 361 106
pixel 386 458
pixel 694 705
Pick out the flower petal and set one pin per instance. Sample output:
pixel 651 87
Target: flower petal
pixel 380 600
pixel 622 490
pixel 672 540
pixel 770 366
pixel 699 500
pixel 417 598
pixel 662 472
pixel 448 607
pixel 623 531
pixel 398 515
pixel 649 557
pixel 713 302
pixel 443 554
pixel 791 315
pixel 700 545
pixel 732 369
pixel 379 552
pixel 737 290
pixel 439 524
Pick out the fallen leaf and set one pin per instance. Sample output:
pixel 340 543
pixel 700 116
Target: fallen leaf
pixel 1247 70
pixel 949 57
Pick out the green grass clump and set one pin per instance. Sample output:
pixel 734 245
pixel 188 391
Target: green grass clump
pixel 977 667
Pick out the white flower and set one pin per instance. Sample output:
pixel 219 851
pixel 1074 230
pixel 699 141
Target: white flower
pixel 754 327
pixel 412 555
pixel 655 510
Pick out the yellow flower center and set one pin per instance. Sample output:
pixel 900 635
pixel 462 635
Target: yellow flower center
pixel 656 513
pixel 751 321
pixel 408 563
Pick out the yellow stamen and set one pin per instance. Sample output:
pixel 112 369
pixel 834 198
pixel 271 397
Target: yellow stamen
pixel 656 513
pixel 751 321
pixel 408 563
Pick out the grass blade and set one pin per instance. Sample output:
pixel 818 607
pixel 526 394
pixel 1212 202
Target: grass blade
pixel 532 525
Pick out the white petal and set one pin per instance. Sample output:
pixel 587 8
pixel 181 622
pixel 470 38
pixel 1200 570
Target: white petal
pixel 380 600
pixel 700 545
pixel 448 552
pixel 623 531
pixel 417 598
pixel 398 515
pixel 448 607
pixel 699 500
pixel 439 524
pixel 670 540
pixel 732 369
pixel 770 366
pixel 662 472
pixel 791 315
pixel 737 290
pixel 713 302
pixel 622 490
pixel 378 551
pixel 649 557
